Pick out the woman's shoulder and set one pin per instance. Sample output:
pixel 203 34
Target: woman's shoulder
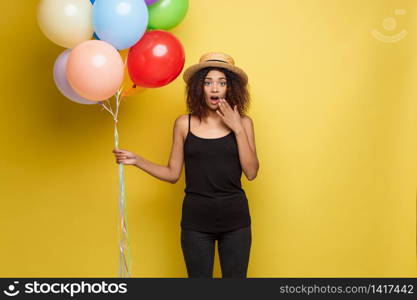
pixel 182 119
pixel 181 124
pixel 246 118
pixel 247 122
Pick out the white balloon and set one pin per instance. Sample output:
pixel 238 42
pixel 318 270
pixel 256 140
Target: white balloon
pixel 61 80
pixel 66 22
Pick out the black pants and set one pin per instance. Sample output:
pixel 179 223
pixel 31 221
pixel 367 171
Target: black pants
pixel 234 248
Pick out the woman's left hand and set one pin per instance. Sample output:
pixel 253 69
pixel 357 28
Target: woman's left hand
pixel 230 117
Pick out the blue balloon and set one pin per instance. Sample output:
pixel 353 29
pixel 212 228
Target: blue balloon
pixel 121 23
pixel 92 1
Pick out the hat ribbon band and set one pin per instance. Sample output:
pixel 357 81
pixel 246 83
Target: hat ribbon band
pixel 217 60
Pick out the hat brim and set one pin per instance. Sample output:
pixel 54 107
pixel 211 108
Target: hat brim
pixel 197 67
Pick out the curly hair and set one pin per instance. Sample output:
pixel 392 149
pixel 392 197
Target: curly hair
pixel 236 92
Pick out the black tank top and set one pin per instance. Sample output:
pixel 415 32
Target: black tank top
pixel 214 199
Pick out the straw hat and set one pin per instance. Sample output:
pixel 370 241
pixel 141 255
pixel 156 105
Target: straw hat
pixel 215 59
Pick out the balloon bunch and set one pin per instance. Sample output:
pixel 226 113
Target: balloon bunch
pixel 114 48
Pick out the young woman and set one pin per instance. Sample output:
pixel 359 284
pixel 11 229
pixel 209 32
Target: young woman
pixel 216 143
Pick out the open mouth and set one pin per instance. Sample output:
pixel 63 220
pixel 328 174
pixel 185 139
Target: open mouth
pixel 214 99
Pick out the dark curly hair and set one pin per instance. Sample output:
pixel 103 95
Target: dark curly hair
pixel 236 92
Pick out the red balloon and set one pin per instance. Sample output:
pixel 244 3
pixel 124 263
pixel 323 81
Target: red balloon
pixel 156 59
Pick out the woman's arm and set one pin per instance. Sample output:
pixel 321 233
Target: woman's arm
pixel 172 171
pixel 245 138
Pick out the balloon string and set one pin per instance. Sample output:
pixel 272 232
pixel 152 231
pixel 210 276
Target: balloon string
pixel 124 255
pixel 125 261
pixel 108 108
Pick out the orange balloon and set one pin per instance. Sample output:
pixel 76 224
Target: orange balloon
pixel 95 70
pixel 128 87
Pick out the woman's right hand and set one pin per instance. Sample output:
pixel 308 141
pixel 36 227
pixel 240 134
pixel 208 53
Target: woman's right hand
pixel 125 157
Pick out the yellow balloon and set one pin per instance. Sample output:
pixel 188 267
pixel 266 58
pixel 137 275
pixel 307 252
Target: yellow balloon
pixel 128 87
pixel 66 22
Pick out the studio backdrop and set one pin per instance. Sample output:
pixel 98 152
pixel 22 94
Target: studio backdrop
pixel 334 105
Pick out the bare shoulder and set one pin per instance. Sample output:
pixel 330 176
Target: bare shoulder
pixel 181 124
pixel 182 119
pixel 247 124
pixel 246 121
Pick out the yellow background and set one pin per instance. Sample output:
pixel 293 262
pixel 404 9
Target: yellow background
pixel 335 116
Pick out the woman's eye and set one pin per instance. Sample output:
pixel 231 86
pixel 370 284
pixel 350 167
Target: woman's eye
pixel 221 83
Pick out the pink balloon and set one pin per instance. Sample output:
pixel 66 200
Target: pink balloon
pixel 95 70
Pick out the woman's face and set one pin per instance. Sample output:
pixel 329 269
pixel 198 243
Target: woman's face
pixel 215 87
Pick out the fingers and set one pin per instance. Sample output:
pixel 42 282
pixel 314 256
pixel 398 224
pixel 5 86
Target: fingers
pixel 121 152
pixel 221 108
pixel 121 155
pixel 219 113
pixel 122 160
pixel 116 150
pixel 224 105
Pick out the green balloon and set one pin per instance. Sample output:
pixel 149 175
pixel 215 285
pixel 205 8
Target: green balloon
pixel 166 14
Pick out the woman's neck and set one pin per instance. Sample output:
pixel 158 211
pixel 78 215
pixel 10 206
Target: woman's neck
pixel 212 117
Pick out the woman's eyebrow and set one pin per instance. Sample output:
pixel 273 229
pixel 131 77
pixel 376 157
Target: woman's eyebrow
pixel 212 78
